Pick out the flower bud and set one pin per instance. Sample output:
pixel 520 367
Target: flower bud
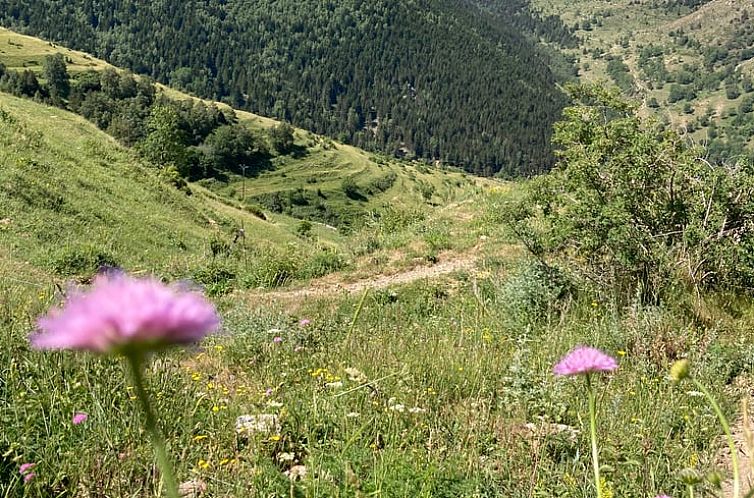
pixel 716 479
pixel 680 370
pixel 690 477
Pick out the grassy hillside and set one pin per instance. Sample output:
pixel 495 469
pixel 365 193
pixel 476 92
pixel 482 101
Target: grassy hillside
pixel 689 65
pixel 71 196
pixel 438 387
pixel 97 204
pixel 435 80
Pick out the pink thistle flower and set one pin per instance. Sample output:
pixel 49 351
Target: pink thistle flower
pixel 26 467
pixel 304 322
pixel 28 477
pixel 122 313
pixel 80 418
pixel 583 360
pixel 277 339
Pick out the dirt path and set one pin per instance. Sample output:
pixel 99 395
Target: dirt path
pixel 328 285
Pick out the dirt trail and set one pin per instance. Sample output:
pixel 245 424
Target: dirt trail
pixel 742 436
pixel 328 285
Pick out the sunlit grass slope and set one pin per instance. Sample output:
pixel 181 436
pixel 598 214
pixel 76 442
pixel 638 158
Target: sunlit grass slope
pixel 71 199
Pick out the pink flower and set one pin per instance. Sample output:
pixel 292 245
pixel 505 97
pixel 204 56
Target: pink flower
pixel 277 340
pixel 268 392
pixel 80 418
pixel 584 359
pixel 28 477
pixel 26 467
pixel 304 322
pixel 122 313
pixel 662 496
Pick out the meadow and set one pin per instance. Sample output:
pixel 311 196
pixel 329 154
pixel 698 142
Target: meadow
pixel 438 387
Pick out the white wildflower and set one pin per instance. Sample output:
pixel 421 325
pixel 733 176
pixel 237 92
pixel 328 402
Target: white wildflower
pixel 263 423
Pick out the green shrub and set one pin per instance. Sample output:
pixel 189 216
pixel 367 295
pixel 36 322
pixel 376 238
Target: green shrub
pixel 216 278
pixel 531 293
pixel 256 210
pixel 635 209
pixel 323 263
pixel 80 261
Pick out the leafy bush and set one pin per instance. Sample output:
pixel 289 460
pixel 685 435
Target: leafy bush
pixel 351 190
pixel 83 260
pixel 532 292
pixel 323 263
pixel 633 208
pixel 216 278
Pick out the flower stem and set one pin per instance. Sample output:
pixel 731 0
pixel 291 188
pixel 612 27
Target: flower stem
pixel 691 491
pixel 728 436
pixel 593 434
pixel 136 361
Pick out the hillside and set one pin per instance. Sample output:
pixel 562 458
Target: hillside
pixel 99 202
pixel 433 80
pixel 690 62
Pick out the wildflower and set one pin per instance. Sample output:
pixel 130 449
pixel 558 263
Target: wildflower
pixel 266 422
pixel 122 313
pixel 200 437
pixel 415 410
pixel 203 464
pixel 28 477
pixel 80 418
pixel 586 360
pixel 296 472
pixel 26 468
pixel 277 339
pixel 680 370
pixel 286 457
pixel 304 322
pixel 583 360
pixel 662 496
pixel 268 392
pixel 334 385
pixel 355 375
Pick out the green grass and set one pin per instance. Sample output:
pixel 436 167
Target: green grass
pixel 454 379
pixel 459 398
pixel 20 52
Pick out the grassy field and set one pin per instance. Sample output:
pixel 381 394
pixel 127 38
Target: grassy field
pixel 435 388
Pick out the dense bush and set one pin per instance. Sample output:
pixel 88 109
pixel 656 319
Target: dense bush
pixel 632 207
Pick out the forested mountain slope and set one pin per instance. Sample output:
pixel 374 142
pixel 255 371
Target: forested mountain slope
pixel 690 62
pixel 435 79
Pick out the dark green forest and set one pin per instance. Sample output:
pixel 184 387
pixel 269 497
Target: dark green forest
pixel 432 79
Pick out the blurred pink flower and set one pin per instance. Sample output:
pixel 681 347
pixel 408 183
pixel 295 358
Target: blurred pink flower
pixel 662 496
pixel 583 360
pixel 28 477
pixel 80 418
pixel 277 339
pixel 26 467
pixel 269 392
pixel 122 313
pixel 304 322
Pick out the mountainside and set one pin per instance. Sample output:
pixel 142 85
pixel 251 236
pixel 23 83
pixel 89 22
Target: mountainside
pixel 73 199
pixel 690 62
pixel 432 79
